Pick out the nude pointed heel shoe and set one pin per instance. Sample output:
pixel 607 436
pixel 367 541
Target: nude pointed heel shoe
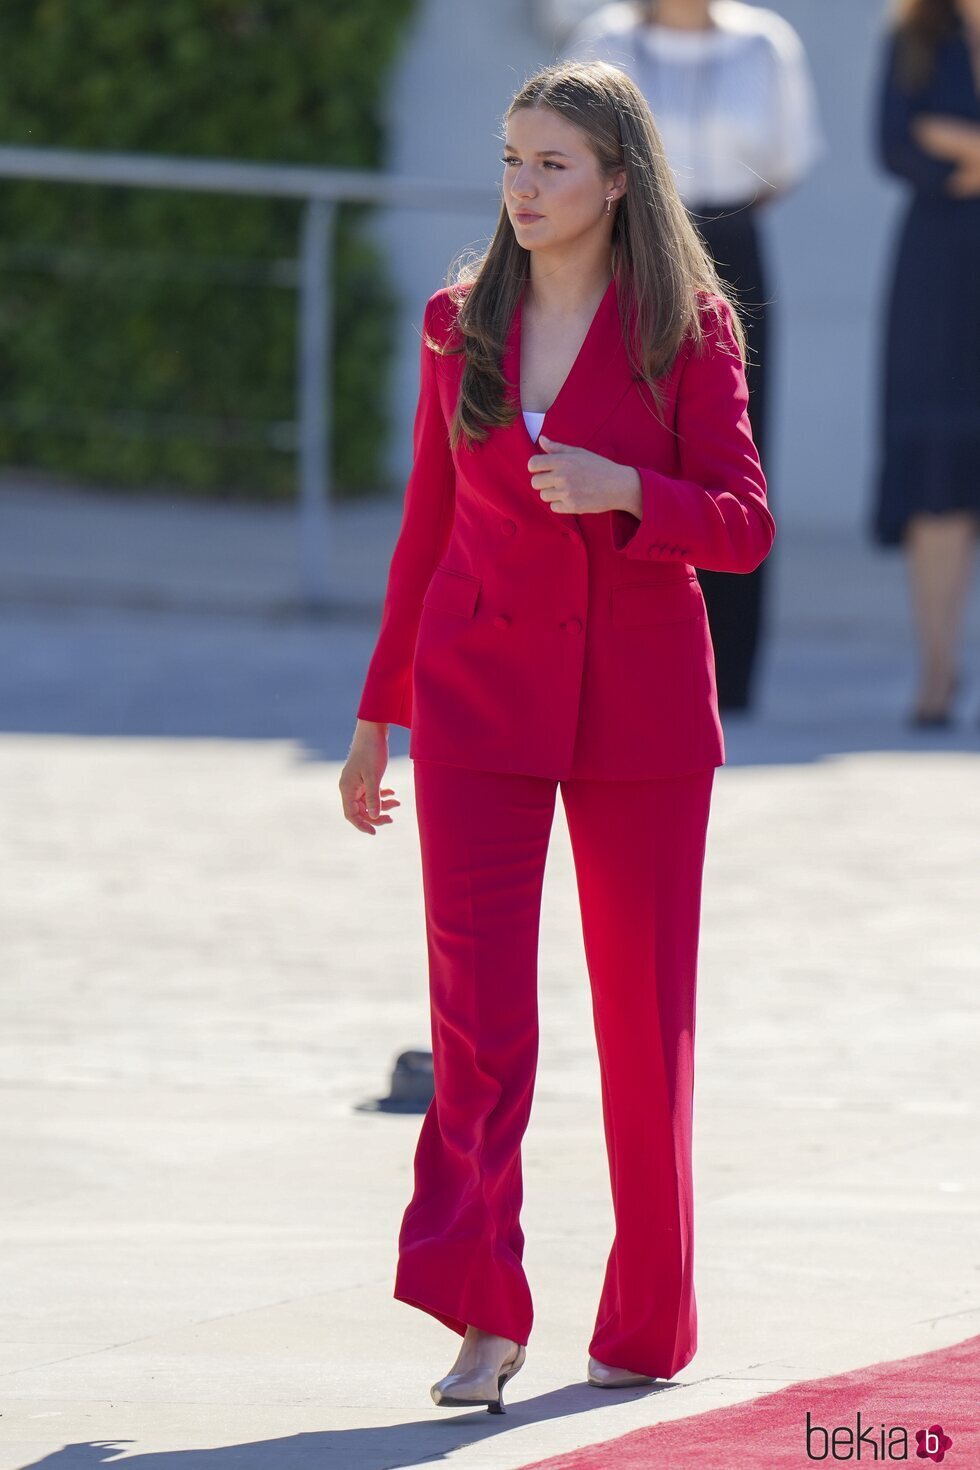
pixel 601 1375
pixel 478 1386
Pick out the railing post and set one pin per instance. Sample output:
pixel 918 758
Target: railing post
pixel 314 388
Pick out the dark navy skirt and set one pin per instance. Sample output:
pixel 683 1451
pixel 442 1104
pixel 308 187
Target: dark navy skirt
pixel 929 456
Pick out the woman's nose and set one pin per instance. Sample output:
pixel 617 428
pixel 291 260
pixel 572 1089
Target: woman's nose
pixel 520 190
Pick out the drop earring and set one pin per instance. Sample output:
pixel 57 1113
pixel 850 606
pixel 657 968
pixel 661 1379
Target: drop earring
pixel 609 204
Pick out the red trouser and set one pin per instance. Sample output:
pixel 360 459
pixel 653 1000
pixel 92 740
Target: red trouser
pixel 638 849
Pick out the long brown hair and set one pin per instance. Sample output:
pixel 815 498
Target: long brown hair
pixel 659 260
pixel 920 27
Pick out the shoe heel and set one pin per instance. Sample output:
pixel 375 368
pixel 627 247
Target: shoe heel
pixel 496 1406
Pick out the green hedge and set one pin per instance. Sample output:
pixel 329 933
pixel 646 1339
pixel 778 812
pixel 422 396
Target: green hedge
pixel 149 337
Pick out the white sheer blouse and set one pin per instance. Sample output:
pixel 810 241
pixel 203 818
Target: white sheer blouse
pixel 735 104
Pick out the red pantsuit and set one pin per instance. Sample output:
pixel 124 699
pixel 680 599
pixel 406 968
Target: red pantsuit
pixel 527 650
pixel 638 849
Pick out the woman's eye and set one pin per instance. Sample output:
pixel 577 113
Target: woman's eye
pixel 549 163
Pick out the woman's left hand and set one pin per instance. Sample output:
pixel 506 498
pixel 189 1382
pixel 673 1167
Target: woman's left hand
pixel 575 481
pixel 947 136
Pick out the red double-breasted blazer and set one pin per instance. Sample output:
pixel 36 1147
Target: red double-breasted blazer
pixel 517 638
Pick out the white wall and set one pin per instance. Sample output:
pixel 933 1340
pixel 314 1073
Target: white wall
pixel 828 244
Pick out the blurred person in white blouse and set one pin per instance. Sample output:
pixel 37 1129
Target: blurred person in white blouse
pixel 733 96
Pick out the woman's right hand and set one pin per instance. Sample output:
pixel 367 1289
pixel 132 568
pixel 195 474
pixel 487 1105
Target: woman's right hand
pixel 360 780
pixel 964 181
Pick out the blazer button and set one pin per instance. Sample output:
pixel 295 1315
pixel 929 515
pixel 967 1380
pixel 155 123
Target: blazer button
pixel 507 528
pixel 501 621
pixel 572 625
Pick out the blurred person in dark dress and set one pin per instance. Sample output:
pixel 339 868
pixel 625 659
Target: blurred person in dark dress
pixel 927 494
pixel 731 89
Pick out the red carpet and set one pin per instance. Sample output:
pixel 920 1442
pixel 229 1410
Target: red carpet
pixel 911 1395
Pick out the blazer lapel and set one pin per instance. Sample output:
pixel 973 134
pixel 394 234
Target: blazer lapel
pixel 596 382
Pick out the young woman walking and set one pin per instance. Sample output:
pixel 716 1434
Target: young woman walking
pixel 543 628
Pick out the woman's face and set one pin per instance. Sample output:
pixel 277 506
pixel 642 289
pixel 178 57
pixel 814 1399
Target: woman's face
pixel 551 176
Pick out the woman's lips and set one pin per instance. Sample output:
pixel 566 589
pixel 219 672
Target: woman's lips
pixel 527 218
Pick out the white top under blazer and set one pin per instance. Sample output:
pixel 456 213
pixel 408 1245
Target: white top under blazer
pixel 734 103
pixel 534 422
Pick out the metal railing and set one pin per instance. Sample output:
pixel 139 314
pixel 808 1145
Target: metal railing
pixel 321 190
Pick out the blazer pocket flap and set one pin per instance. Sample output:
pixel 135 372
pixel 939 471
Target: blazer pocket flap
pixel 637 603
pixel 452 592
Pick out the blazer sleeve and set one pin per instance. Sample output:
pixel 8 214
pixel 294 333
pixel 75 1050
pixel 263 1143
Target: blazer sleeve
pixel 427 519
pixel 715 515
pixel 898 151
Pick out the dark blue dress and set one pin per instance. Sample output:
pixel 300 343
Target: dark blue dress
pixel 930 371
